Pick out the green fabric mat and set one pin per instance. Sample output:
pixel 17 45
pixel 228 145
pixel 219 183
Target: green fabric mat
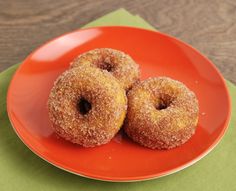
pixel 20 169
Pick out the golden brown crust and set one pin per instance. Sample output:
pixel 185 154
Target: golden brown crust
pixel 119 64
pixel 149 123
pixel 108 106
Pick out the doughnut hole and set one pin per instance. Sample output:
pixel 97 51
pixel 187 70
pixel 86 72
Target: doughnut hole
pixel 161 105
pixel 106 66
pixel 83 106
pixel 163 102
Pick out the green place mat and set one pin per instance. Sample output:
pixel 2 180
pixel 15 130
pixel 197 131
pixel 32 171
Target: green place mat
pixel 20 169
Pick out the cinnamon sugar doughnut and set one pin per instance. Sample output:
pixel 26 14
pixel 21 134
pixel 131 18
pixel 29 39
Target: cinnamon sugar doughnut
pixel 87 106
pixel 162 113
pixel 119 64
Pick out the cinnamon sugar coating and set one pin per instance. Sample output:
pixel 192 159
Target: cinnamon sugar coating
pixel 162 113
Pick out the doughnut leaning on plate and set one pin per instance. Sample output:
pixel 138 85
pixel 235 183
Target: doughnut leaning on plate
pixel 87 106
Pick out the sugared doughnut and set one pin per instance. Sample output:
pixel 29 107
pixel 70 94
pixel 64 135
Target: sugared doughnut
pixel 87 106
pixel 162 113
pixel 119 64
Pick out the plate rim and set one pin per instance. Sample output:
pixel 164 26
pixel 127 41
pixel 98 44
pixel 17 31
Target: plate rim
pixel 128 178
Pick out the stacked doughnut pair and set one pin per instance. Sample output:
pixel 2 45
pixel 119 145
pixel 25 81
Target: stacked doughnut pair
pixel 101 92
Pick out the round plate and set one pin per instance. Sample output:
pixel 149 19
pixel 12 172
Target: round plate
pixel 121 159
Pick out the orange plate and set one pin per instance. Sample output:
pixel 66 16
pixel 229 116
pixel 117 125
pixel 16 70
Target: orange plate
pixel 121 159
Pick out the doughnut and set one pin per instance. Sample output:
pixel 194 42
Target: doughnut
pixel 119 64
pixel 162 113
pixel 87 106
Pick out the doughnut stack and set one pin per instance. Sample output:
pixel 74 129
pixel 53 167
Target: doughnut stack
pixel 101 92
